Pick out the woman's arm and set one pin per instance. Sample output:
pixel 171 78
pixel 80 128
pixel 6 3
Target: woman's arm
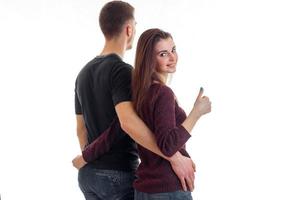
pixel 170 136
pixel 100 145
pixel 201 107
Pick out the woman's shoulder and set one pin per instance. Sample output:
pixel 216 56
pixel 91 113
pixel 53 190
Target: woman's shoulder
pixel 161 90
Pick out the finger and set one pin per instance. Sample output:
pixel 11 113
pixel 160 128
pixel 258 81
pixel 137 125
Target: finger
pixel 75 165
pixel 201 90
pixel 192 177
pixel 205 98
pixel 193 183
pixel 190 184
pixel 200 93
pixel 194 166
pixel 183 184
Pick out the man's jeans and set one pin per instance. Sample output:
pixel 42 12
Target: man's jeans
pixel 178 195
pixel 98 184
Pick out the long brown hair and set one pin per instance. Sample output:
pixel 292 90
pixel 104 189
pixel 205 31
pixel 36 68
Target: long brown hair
pixel 144 73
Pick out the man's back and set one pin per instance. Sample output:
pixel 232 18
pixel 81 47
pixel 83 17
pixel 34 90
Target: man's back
pixel 101 84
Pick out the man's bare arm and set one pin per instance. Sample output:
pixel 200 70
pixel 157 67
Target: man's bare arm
pixel 81 131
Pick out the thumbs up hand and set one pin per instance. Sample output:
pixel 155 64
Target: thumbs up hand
pixel 202 104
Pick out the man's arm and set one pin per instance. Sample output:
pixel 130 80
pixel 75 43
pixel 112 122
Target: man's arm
pixel 136 128
pixel 81 131
pixel 139 132
pixel 78 161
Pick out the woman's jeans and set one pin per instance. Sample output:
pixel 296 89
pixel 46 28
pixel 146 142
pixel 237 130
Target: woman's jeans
pixel 98 184
pixel 178 195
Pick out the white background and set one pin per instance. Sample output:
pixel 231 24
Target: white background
pixel 244 53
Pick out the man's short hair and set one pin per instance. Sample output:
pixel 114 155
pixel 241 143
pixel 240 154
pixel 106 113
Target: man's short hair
pixel 113 17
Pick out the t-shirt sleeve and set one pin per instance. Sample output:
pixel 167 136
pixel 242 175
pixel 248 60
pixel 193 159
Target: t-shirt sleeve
pixel 170 137
pixel 78 109
pixel 121 83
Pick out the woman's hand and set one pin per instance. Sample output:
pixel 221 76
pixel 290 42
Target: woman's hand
pixel 78 162
pixel 202 105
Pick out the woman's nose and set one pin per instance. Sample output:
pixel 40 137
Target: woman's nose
pixel 172 56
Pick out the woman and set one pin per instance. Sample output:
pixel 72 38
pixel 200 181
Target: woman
pixel 155 103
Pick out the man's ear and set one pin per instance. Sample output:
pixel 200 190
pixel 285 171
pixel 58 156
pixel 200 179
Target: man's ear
pixel 129 31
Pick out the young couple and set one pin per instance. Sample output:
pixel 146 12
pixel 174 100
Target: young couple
pixel 117 106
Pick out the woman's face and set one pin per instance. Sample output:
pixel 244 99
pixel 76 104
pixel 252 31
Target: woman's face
pixel 166 56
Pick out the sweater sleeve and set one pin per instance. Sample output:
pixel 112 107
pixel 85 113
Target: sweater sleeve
pixel 104 142
pixel 169 136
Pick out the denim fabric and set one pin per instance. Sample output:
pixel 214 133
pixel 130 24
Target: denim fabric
pixel 98 184
pixel 178 195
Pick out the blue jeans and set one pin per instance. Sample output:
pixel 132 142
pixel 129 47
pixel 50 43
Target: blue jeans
pixel 98 184
pixel 178 195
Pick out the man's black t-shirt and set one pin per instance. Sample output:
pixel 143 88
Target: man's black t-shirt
pixel 103 83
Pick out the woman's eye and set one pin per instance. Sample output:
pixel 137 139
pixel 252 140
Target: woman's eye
pixel 163 54
pixel 174 50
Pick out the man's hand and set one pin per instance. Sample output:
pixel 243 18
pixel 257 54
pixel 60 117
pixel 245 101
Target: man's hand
pixel 78 162
pixel 185 169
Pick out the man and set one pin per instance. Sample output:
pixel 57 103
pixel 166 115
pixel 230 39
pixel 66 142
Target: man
pixel 102 93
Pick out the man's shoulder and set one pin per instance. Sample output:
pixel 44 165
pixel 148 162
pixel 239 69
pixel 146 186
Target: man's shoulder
pixel 120 64
pixel 114 59
pixel 108 65
pixel 110 60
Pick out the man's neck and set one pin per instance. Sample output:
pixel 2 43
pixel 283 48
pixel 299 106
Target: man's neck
pixel 114 46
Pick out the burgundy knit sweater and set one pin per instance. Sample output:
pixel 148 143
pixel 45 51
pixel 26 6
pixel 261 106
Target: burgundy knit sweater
pixel 164 117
